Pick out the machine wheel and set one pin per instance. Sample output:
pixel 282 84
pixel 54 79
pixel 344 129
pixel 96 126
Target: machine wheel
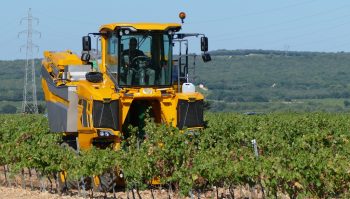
pixel 107 181
pixel 94 77
pixel 63 183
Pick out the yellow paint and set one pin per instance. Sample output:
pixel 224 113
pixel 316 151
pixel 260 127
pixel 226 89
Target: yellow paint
pixel 62 59
pixel 104 53
pixel 50 96
pixel 140 26
pixel 96 181
pixel 63 176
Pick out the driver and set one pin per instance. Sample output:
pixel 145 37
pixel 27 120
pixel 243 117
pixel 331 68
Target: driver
pixel 129 56
pixel 132 52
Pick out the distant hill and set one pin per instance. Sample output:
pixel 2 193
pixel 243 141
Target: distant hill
pixel 244 80
pixel 12 80
pixel 257 75
pixel 237 76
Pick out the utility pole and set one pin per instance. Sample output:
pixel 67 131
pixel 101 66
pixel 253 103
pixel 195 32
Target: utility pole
pixel 29 103
pixel 286 49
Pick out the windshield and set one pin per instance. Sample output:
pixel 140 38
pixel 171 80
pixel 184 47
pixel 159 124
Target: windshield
pixel 141 59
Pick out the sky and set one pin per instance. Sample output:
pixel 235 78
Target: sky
pixel 295 25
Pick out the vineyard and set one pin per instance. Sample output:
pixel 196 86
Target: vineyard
pixel 290 154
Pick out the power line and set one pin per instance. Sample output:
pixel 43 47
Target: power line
pixel 288 39
pixel 70 19
pixel 309 33
pixel 302 3
pixel 302 18
pixel 29 103
pixel 321 41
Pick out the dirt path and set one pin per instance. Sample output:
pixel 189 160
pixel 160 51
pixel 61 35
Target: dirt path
pixel 14 193
pixel 19 193
pixel 10 188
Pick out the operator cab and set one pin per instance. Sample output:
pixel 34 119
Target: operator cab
pixel 141 54
pixel 141 58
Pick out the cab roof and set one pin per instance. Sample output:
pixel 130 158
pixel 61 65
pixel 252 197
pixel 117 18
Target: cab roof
pixel 141 26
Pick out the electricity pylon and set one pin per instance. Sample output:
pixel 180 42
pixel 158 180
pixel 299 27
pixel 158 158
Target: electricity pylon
pixel 29 103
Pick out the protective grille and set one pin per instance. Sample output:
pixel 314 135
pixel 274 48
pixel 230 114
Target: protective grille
pixel 84 115
pixel 105 115
pixel 189 114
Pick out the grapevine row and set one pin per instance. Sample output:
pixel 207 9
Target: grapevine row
pixel 300 155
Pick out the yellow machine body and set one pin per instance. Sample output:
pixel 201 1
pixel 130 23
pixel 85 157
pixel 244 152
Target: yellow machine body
pixel 95 112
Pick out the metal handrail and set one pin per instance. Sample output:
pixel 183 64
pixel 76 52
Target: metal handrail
pixel 186 77
pixel 114 80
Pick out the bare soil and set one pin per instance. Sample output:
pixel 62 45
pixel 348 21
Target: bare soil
pixel 14 193
pixel 33 187
pixel 20 193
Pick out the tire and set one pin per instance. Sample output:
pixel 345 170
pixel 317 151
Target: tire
pixel 66 185
pixel 63 183
pixel 108 181
pixel 94 77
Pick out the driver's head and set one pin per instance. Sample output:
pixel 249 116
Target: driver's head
pixel 132 43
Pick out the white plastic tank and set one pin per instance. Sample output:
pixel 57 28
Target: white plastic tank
pixel 188 88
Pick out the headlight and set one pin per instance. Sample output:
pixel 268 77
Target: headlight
pixel 105 133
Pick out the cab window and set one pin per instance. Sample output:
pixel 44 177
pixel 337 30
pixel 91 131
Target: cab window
pixel 112 54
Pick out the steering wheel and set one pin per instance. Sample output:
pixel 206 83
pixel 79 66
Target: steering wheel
pixel 138 69
pixel 141 61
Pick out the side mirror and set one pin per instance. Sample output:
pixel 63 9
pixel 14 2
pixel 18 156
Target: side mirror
pixel 85 57
pixel 204 44
pixel 86 43
pixel 206 57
